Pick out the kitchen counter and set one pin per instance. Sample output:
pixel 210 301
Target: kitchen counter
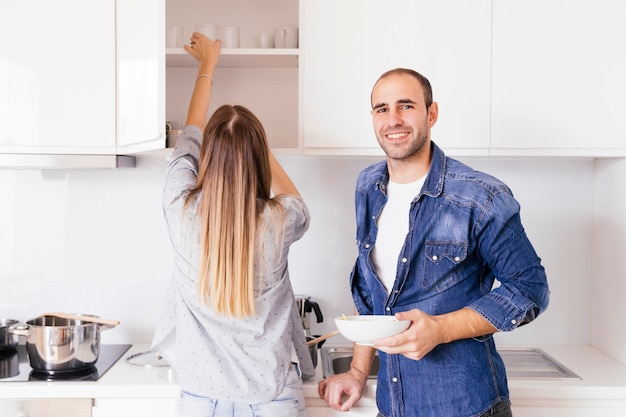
pixel 603 381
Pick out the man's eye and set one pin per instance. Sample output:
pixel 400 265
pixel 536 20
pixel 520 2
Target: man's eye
pixel 381 110
pixel 406 107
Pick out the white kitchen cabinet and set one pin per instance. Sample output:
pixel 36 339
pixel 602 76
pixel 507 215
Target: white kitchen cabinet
pixel 558 85
pixel 264 80
pixel 140 75
pixel 81 77
pixel 347 45
pixel 57 77
pixel 562 410
pixel 329 412
pixel 124 407
pixel 46 407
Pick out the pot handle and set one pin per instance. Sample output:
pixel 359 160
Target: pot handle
pixel 103 327
pixel 20 329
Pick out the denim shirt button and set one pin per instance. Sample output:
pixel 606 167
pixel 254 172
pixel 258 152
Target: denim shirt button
pixel 394 379
pixel 404 260
pixel 434 257
pixel 388 308
pixel 367 246
pixel 457 259
pixel 513 321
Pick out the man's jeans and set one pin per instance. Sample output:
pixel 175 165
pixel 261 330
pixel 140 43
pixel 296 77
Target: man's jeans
pixel 501 409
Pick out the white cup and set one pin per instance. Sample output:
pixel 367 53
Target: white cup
pixel 265 40
pixel 173 37
pixel 230 37
pixel 210 30
pixel 286 37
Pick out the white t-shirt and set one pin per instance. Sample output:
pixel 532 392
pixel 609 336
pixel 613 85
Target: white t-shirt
pixel 393 226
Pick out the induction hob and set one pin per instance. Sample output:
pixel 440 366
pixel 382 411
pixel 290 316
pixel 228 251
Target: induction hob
pixel 15 367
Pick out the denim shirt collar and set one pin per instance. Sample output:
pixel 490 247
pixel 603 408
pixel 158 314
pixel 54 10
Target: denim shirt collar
pixel 433 185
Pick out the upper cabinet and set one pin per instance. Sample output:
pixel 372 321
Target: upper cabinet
pixel 558 84
pixel 534 77
pixel 140 75
pixel 80 78
pixel 57 77
pixel 348 44
pixel 264 79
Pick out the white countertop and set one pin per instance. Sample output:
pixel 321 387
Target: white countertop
pixel 602 379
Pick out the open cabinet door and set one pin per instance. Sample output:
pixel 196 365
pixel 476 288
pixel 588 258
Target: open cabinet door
pixel 140 75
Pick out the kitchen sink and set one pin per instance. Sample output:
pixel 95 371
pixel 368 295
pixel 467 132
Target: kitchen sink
pixel 336 360
pixel 533 363
pixel 521 363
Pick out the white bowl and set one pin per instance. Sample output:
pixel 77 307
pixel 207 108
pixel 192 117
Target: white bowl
pixel 363 330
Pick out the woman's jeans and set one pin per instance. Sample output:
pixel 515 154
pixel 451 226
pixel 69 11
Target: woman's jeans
pixel 289 403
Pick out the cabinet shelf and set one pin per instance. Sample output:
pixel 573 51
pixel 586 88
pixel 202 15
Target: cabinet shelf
pixel 239 58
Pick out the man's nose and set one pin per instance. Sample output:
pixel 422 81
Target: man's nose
pixel 393 117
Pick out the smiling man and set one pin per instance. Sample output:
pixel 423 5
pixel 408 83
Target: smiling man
pixel 433 236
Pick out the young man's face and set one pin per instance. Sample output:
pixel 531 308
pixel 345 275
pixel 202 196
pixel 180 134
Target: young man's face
pixel 401 121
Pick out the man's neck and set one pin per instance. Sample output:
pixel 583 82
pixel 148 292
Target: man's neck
pixel 408 170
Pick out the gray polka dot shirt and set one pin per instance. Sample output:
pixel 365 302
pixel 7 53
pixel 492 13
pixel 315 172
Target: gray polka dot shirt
pixel 217 356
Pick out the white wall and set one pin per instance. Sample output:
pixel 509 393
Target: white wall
pixel 93 241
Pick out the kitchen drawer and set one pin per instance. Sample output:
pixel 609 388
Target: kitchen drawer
pixel 132 407
pixel 57 407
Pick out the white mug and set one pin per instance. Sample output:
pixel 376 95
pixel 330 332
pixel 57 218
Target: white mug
pixel 173 37
pixel 286 37
pixel 210 30
pixel 265 40
pixel 230 37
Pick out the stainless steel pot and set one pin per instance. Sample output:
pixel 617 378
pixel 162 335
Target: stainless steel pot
pixel 9 363
pixel 8 341
pixel 56 344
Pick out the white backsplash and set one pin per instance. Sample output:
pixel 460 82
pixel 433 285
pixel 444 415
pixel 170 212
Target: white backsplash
pixel 94 241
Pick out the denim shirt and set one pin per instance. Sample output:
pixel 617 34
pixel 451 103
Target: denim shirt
pixel 464 233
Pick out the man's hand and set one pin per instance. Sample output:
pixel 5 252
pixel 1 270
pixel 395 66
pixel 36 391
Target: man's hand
pixel 342 391
pixel 426 331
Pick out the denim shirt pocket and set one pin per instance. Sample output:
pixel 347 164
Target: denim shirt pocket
pixel 440 267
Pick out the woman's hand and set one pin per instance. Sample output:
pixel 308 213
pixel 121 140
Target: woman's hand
pixel 205 50
pixel 207 53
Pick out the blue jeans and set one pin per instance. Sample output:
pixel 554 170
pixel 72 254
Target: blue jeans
pixel 501 409
pixel 289 403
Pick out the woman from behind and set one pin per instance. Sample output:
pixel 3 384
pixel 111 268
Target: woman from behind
pixel 230 326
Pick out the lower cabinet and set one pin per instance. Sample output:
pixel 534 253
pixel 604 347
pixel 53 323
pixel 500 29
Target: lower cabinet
pixel 153 407
pixel 46 407
pixel 167 408
pixel 547 411
pixel 329 412
pixel 602 408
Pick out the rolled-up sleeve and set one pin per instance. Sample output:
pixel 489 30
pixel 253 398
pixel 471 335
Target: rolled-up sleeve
pixel 523 291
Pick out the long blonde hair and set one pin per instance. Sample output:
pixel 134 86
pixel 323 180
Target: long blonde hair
pixel 234 184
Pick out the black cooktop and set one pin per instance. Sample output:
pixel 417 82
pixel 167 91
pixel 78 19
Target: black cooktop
pixel 15 367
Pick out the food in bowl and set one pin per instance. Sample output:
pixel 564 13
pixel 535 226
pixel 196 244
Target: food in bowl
pixel 363 330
